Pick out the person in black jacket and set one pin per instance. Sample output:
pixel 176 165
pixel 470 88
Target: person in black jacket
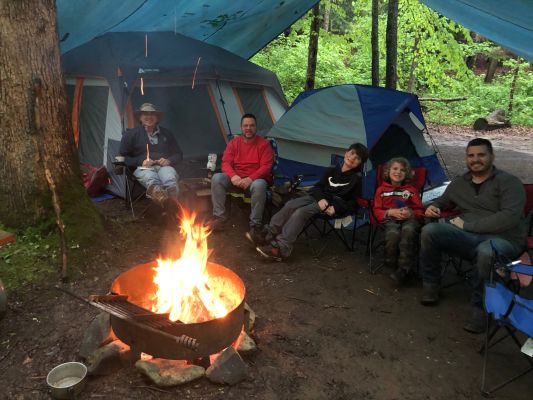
pixel 335 195
pixel 155 153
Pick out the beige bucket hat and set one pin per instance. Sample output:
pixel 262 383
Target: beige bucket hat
pixel 147 107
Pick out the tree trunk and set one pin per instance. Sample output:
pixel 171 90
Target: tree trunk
pixel 313 48
pixel 36 133
pixel 327 14
pixel 411 83
pixel 391 76
pixel 511 93
pixel 491 69
pixel 375 42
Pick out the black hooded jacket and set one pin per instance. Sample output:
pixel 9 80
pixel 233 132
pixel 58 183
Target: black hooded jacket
pixel 340 189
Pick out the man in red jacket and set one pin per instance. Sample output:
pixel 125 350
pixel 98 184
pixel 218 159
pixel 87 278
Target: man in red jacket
pixel 246 165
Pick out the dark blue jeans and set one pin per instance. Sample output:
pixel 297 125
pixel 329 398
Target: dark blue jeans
pixel 439 238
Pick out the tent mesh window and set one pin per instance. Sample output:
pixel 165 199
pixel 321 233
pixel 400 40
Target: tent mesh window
pixel 189 115
pixel 253 102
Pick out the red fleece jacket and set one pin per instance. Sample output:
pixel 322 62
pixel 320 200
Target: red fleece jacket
pixel 253 159
pixel 388 196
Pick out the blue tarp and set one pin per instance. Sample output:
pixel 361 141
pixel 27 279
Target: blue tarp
pixel 508 23
pixel 242 27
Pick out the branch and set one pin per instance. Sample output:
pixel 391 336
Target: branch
pixel 443 100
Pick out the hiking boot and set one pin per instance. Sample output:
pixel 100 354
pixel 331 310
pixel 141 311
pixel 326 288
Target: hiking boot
pixel 217 224
pixel 172 192
pixel 477 323
pixel 400 276
pixel 430 294
pixel 158 194
pixel 256 235
pixel 270 252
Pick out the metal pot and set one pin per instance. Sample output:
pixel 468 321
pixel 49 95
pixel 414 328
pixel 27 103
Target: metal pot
pixel 67 380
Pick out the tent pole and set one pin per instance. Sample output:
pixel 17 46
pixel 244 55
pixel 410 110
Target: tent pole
pixel 221 99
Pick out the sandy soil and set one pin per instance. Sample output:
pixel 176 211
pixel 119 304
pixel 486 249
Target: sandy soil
pixel 326 328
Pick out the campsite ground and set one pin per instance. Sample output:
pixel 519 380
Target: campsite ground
pixel 326 328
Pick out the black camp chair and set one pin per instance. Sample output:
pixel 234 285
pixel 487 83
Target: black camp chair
pixel 134 191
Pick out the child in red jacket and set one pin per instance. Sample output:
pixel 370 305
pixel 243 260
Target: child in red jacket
pixel 398 206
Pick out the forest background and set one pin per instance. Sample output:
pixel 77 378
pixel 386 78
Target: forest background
pixel 436 58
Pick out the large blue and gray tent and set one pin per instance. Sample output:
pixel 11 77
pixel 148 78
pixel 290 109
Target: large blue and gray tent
pixel 202 89
pixel 321 124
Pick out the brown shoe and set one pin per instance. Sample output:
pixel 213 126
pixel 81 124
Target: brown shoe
pixel 158 194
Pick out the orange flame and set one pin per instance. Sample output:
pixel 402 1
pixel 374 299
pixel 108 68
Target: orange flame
pixel 185 289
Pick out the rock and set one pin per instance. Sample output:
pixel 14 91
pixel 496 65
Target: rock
pixel 246 345
pixel 108 359
pixel 249 318
pixel 98 334
pixel 167 373
pixel 229 368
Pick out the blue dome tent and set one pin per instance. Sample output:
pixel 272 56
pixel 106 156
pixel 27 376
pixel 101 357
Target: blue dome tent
pixel 322 123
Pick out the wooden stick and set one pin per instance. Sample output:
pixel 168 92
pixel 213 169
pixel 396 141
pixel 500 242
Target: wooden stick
pixel 147 152
pixel 37 89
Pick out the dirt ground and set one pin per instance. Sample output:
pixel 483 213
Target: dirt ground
pixel 326 328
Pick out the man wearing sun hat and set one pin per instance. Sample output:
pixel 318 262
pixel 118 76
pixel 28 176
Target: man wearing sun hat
pixel 154 152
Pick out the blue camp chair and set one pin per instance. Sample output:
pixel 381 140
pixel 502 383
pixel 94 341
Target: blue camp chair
pixel 509 306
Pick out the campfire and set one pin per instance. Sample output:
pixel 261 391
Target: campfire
pixel 187 308
pixel 185 288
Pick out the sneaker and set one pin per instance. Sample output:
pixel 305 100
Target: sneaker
pixel 400 276
pixel 430 294
pixel 256 236
pixel 217 224
pixel 477 323
pixel 270 252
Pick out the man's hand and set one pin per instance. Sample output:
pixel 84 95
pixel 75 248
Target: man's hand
pixel 245 183
pixel 148 163
pixel 236 180
pixel 458 222
pixel 323 204
pixel 432 212
pixel 163 162
pixel 330 211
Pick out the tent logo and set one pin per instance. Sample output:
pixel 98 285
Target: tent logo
pixel 147 70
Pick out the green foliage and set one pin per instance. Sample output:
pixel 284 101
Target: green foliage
pixel 30 258
pixel 437 61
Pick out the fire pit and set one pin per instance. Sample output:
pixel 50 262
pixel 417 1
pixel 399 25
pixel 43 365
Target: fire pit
pixel 212 335
pixel 183 309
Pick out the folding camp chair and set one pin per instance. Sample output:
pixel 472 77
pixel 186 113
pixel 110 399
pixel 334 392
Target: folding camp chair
pixel 418 181
pixel 134 191
pixel 342 226
pixel 510 307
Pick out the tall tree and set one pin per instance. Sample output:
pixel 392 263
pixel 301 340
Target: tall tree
pixel 374 39
pixel 38 161
pixel 391 75
pixel 313 48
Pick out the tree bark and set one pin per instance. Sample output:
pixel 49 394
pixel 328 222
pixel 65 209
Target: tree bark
pixel 511 93
pixel 375 42
pixel 36 133
pixel 327 14
pixel 391 76
pixel 313 48
pixel 411 83
pixel 491 69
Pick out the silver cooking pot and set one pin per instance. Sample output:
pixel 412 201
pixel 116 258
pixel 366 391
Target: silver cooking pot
pixel 67 380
